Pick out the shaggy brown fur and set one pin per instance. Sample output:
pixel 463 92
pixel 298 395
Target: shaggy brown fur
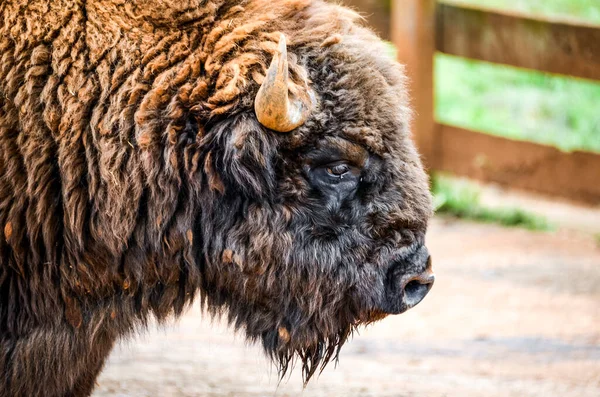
pixel 134 175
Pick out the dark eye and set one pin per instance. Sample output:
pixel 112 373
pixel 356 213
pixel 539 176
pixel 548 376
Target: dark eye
pixel 338 170
pixel 335 173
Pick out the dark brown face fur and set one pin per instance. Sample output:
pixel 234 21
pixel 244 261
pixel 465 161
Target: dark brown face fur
pixel 134 175
pixel 314 228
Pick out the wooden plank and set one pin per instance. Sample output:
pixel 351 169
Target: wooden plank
pixel 376 12
pixel 413 33
pixel 518 164
pixel 519 41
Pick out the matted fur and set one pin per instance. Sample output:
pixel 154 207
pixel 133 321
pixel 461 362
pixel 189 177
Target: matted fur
pixel 134 175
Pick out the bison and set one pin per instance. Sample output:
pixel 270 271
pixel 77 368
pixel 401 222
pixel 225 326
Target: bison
pixel 254 154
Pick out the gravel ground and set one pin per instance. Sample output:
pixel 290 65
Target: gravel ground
pixel 512 313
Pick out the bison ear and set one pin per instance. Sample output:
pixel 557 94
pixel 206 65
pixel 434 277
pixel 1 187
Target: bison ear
pixel 275 108
pixel 245 157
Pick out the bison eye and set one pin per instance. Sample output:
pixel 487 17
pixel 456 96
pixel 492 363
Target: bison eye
pixel 338 170
pixel 336 173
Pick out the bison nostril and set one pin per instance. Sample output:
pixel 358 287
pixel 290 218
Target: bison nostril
pixel 413 287
pixel 416 289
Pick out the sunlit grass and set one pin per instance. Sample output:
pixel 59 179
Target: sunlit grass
pixel 519 104
pixel 461 198
pixel 559 111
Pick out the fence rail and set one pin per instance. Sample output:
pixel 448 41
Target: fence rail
pixel 519 41
pixel 518 164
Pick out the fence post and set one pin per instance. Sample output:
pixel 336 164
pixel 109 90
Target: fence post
pixel 413 33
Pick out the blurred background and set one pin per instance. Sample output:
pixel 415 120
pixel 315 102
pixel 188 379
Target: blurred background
pixel 507 94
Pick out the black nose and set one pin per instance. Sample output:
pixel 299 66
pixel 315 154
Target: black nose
pixel 415 287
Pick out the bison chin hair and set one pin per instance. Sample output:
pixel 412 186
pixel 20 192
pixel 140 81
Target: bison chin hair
pixel 313 356
pixel 313 345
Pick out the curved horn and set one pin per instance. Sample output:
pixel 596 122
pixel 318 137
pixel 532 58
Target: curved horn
pixel 273 106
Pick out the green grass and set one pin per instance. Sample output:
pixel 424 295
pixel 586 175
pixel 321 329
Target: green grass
pixel 519 104
pixel 585 10
pixel 461 198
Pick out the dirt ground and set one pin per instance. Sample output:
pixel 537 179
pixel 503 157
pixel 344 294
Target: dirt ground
pixel 512 313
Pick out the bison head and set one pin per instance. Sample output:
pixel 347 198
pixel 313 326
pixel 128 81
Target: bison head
pixel 315 219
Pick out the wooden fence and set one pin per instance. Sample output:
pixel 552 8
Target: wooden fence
pixel 419 28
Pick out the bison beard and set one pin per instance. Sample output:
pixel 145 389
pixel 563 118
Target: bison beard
pixel 152 151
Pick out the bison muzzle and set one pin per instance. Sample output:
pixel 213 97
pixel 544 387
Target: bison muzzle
pixel 254 154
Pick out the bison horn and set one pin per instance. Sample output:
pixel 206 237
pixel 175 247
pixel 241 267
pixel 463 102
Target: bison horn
pixel 275 108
